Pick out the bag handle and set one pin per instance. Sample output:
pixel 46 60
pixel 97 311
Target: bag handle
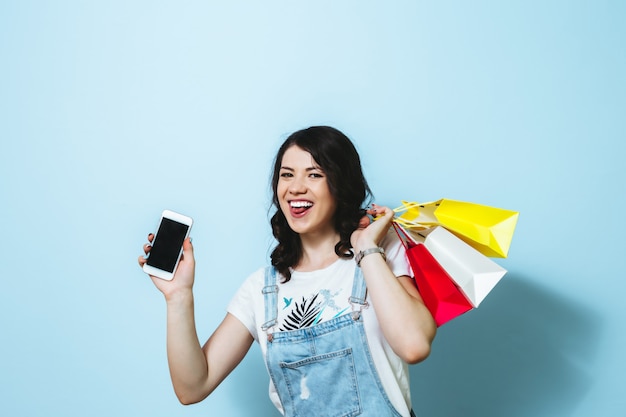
pixel 415 223
pixel 405 238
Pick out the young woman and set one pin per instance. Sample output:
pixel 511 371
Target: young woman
pixel 337 314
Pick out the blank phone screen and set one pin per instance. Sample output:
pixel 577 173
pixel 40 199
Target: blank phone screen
pixel 167 243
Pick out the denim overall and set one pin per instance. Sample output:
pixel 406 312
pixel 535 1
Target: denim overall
pixel 325 370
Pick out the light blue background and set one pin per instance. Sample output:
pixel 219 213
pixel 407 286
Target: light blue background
pixel 112 111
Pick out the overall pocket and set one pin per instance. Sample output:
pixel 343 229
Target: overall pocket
pixel 323 385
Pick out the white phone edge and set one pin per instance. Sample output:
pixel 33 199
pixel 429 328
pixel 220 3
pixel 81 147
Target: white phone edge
pixel 181 218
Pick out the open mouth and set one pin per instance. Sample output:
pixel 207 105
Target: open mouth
pixel 299 207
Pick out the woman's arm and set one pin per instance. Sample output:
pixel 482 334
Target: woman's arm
pixel 196 371
pixel 405 321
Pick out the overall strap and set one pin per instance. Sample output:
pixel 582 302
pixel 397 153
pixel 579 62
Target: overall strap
pixel 359 293
pixel 270 291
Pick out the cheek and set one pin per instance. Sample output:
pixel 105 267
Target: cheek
pixel 280 194
pixel 281 187
pixel 328 196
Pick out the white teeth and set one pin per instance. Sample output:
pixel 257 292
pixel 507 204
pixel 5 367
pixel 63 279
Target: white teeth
pixel 300 204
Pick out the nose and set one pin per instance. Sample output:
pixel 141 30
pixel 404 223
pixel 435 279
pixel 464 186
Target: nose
pixel 297 186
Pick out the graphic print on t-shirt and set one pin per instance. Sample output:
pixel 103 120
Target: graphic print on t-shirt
pixel 303 314
pixel 309 311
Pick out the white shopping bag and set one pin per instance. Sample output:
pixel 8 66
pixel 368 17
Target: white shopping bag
pixel 474 273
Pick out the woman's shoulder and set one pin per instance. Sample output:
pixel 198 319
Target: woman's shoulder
pixel 391 242
pixel 254 281
pixel 257 277
pixel 396 254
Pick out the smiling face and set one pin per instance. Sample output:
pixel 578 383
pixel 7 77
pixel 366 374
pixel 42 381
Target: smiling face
pixel 303 194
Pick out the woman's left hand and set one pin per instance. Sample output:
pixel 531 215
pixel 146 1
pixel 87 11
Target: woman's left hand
pixel 369 234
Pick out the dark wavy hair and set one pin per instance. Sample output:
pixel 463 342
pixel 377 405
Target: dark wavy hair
pixel 338 158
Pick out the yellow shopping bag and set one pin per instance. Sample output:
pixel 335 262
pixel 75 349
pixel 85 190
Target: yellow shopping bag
pixel 487 229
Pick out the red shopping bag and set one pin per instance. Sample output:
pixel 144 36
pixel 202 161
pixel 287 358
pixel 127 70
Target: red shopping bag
pixel 441 295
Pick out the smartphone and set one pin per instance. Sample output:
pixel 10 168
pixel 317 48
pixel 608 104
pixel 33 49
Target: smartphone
pixel 167 245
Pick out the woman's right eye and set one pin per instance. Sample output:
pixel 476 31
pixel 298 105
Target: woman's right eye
pixel 286 175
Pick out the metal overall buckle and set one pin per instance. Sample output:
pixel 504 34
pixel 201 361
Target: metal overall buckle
pixel 356 311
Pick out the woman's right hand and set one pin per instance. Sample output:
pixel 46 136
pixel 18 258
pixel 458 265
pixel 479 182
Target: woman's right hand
pixel 185 272
pixel 196 370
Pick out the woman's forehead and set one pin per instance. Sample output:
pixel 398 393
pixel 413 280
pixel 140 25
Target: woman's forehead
pixel 296 157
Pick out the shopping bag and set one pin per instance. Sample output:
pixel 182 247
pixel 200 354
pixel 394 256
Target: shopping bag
pixel 487 229
pixel 474 273
pixel 441 296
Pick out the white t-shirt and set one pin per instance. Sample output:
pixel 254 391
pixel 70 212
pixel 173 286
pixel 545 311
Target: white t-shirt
pixel 313 297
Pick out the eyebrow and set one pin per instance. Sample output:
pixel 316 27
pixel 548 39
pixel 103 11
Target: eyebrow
pixel 308 169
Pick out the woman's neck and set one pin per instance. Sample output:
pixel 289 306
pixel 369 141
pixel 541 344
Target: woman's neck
pixel 318 252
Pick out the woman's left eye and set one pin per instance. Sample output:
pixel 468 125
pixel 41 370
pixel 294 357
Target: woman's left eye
pixel 316 175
